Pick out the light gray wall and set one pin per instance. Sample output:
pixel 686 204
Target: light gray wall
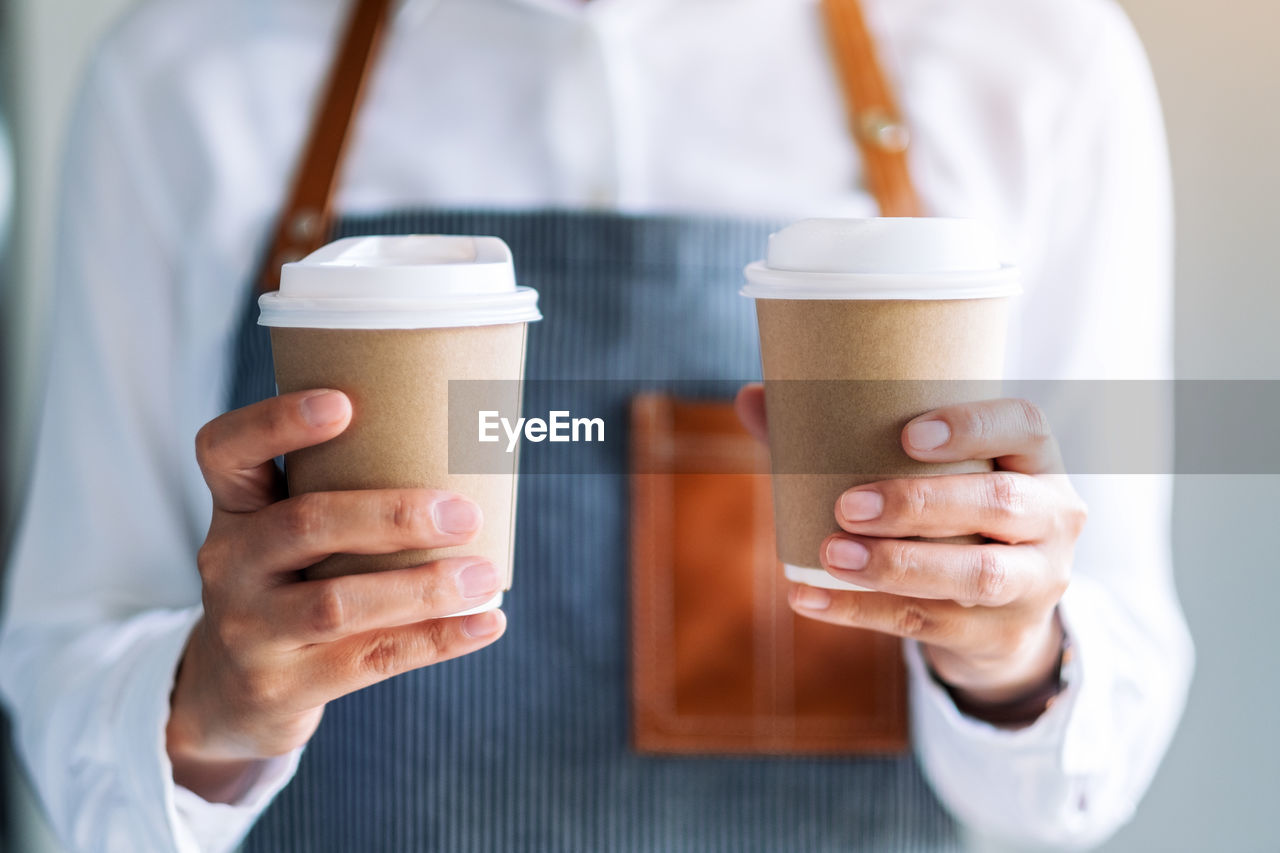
pixel 46 44
pixel 1216 66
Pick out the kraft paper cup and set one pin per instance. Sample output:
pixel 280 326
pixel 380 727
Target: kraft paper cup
pixel 843 304
pixel 390 321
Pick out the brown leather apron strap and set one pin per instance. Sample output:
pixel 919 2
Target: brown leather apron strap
pixel 874 120
pixel 307 216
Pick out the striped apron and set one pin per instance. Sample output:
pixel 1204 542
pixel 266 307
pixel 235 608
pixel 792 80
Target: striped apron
pixel 523 746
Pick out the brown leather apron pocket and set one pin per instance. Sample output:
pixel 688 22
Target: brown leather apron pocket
pixel 720 663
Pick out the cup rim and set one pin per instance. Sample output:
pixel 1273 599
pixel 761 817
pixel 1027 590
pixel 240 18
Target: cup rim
pixel 765 282
pixel 442 312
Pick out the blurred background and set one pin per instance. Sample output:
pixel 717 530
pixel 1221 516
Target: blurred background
pixel 1216 67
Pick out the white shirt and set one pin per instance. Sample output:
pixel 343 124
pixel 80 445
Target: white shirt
pixel 1038 116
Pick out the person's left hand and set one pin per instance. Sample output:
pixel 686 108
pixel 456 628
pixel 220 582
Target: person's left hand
pixel 983 613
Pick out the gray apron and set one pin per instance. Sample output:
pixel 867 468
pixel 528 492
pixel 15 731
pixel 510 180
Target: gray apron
pixel 523 746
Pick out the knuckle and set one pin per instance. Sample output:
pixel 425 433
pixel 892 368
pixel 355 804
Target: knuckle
pixel 978 423
pixel 1058 583
pixel 206 442
pixel 408 512
pixel 303 516
pixel 213 444
pixel 1058 576
pixel 896 561
pixel 1033 421
pixel 428 591
pixel 380 655
pixel 434 640
pixel 210 559
pixel 990 579
pixel 1004 495
pixel 230 630
pixel 262 689
pixel 917 498
pixel 388 653
pixel 852 609
pixel 912 621
pixel 327 613
pixel 1077 516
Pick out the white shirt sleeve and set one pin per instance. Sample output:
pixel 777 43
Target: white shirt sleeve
pixel 1101 277
pixel 102 589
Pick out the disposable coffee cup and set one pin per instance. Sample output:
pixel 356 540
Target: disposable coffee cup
pixel 389 321
pixel 866 324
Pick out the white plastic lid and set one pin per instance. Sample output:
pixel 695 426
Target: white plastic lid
pixel 423 281
pixel 891 258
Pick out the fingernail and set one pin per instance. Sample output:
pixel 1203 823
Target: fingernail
pixel 481 624
pixel 846 554
pixel 811 598
pixel 324 408
pixel 861 505
pixel 928 435
pixel 457 516
pixel 478 580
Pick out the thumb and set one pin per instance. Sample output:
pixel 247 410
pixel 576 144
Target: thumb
pixel 235 450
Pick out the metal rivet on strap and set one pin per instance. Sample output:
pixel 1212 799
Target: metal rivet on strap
pixel 884 130
pixel 305 225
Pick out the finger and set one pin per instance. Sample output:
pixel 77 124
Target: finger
pixel 336 669
pixel 323 611
pixel 235 450
pixel 970 575
pixel 1002 505
pixel 1015 433
pixel 301 531
pixel 749 404
pixel 935 622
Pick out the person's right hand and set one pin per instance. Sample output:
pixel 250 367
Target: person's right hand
pixel 271 649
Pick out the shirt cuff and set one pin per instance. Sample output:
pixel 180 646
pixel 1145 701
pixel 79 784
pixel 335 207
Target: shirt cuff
pixel 221 826
pixel 934 711
pixel 1025 773
pixel 1064 722
pixel 197 826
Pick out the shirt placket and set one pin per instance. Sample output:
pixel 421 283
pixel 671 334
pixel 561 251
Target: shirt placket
pixel 581 131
